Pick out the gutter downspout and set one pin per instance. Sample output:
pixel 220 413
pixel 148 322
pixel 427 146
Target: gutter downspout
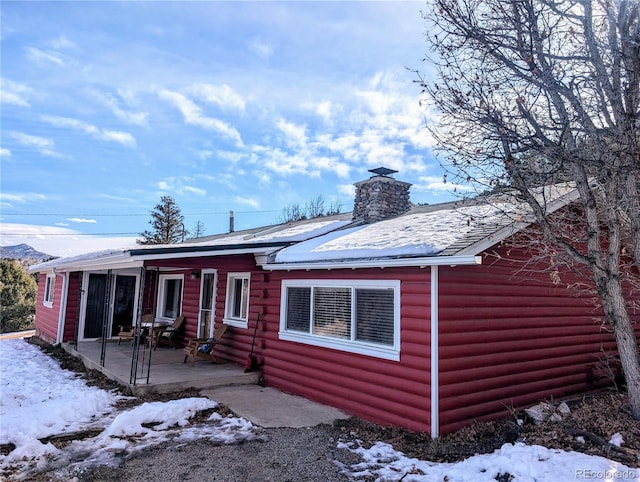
pixel 435 381
pixel 63 308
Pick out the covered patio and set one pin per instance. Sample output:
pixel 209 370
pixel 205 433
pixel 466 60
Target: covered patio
pixel 159 371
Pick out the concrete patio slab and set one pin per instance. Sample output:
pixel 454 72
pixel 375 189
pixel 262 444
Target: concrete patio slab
pixel 268 407
pixel 165 368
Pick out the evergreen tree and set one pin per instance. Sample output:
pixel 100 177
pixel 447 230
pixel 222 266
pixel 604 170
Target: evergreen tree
pixel 167 222
pixel 18 293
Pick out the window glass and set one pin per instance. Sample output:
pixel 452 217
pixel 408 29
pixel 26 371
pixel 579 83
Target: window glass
pixel 332 312
pixel 374 315
pixel 298 309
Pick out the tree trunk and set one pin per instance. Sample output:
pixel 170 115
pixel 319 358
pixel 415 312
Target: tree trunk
pixel 616 313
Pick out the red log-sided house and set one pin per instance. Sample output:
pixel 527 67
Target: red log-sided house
pixel 425 317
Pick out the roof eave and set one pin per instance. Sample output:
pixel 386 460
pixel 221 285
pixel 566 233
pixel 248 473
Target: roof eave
pixel 116 261
pixel 375 263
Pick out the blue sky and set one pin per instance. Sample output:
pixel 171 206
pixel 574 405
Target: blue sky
pixel 243 106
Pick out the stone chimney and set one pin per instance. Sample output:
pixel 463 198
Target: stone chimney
pixel 380 197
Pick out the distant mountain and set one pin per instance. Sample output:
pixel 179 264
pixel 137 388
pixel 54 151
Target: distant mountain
pixel 23 252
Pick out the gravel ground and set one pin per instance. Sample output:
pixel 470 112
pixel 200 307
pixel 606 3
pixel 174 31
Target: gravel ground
pixel 280 455
pixel 311 454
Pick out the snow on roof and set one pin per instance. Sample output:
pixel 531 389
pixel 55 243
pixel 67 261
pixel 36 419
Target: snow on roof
pixel 417 233
pixel 277 235
pixel 426 231
pixel 287 232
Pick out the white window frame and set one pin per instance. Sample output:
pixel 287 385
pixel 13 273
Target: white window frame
pixel 161 295
pixel 49 290
pixel 229 318
pixel 389 352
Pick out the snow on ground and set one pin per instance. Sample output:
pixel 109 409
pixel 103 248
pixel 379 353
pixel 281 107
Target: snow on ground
pixel 525 463
pixel 38 399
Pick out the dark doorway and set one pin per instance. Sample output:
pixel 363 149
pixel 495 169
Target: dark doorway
pixel 96 293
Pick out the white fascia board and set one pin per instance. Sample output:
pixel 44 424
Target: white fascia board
pixel 118 261
pixel 377 263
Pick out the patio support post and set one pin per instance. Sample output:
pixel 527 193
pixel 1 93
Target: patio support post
pixel 106 316
pixel 138 329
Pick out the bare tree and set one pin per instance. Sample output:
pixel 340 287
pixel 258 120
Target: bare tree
pixel 198 230
pixel 334 208
pixel 292 212
pixel 312 209
pixel 533 92
pixel 167 222
pixel 315 207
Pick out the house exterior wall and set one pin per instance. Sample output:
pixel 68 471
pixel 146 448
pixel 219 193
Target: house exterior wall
pixel 46 320
pixel 384 391
pixel 509 338
pixel 236 344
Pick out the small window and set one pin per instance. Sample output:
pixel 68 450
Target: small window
pixel 49 286
pixel 237 306
pixel 170 296
pixel 356 316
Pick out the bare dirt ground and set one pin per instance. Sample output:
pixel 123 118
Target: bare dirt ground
pixel 592 420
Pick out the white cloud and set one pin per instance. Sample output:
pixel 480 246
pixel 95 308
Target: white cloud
pixel 14 93
pixel 180 186
pixel 222 95
pixel 43 145
pixel 326 110
pixel 5 152
pixel 261 49
pixel 295 135
pixel 114 105
pixel 116 198
pixel 123 138
pixel 22 197
pixel 59 241
pixel 62 42
pixel 347 190
pixel 247 201
pixel 29 140
pixel 434 183
pixel 192 114
pixel 8 200
pixel 44 57
pixel 82 220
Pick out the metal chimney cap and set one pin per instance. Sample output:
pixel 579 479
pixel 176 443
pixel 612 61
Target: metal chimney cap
pixel 382 171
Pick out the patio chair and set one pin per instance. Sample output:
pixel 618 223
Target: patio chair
pixel 166 335
pixel 127 333
pixel 202 348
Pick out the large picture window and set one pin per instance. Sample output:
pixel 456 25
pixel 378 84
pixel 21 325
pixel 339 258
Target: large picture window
pixel 170 296
pixel 237 305
pixel 356 316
